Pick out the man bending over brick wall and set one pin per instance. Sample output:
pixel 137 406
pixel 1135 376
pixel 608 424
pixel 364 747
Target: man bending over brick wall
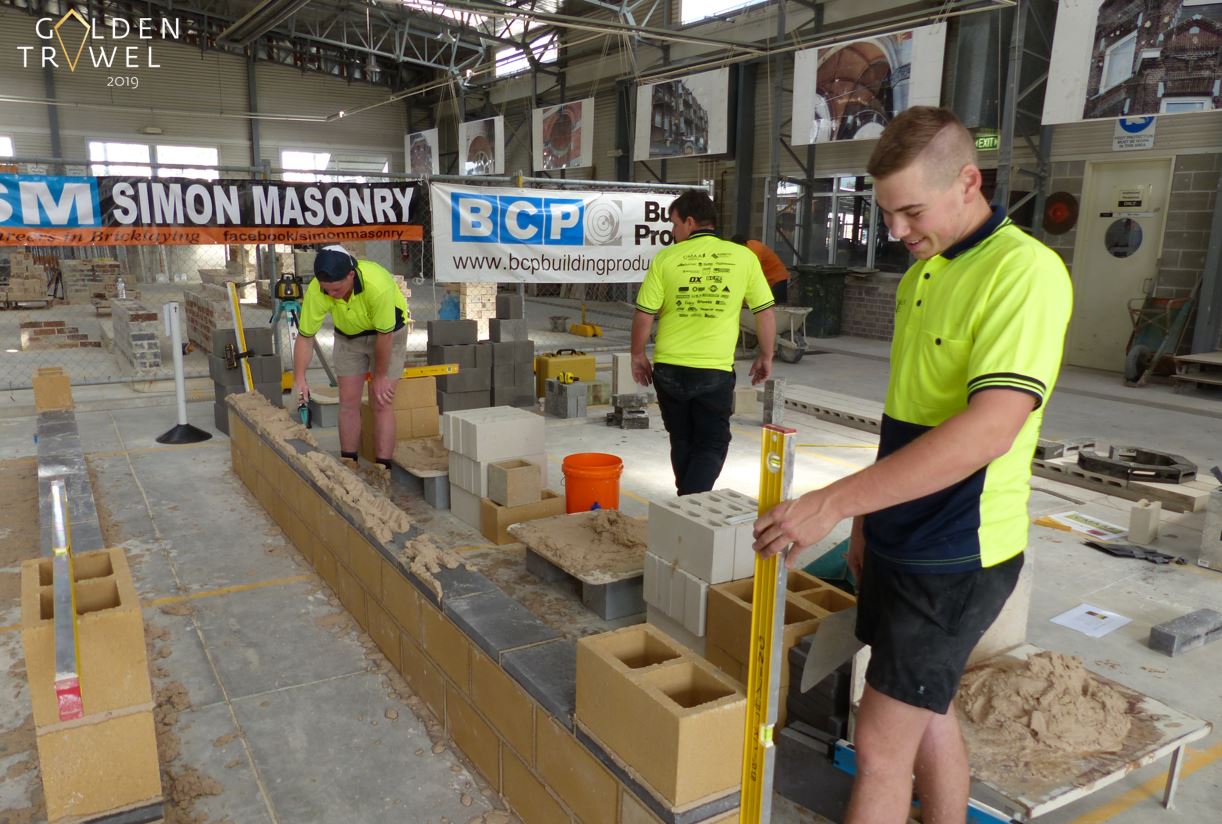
pixel 370 317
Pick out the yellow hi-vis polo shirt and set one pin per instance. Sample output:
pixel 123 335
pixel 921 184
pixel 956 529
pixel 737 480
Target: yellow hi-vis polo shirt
pixel 988 313
pixel 375 305
pixel 697 288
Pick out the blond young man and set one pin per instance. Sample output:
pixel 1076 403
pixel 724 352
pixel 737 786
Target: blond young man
pixel 940 520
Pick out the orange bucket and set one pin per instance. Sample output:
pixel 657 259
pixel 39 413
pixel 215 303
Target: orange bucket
pixel 591 481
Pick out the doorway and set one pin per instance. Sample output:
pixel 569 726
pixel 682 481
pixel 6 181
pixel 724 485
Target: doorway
pixel 1116 255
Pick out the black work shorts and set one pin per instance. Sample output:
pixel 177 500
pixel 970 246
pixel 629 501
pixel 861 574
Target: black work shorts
pixel 923 627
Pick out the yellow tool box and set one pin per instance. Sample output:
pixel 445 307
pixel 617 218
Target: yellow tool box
pixel 551 366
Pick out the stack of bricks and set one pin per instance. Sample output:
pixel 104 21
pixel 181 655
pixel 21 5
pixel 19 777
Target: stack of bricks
pixel 53 334
pixel 774 401
pixel 220 277
pixel 137 335
pixel 104 762
pixel 629 399
pixel 207 309
pixel 477 302
pixel 89 278
pixel 513 354
pixel 695 541
pixel 673 719
pixel 728 638
pixel 477 438
pixel 265 370
pixel 515 494
pixel 566 400
pixel 416 414
pixel 22 279
pixel 456 341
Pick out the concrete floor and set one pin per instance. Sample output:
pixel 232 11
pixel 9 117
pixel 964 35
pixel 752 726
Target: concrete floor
pixel 298 718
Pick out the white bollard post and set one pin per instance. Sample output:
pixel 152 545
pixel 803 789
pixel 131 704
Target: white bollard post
pixel 183 432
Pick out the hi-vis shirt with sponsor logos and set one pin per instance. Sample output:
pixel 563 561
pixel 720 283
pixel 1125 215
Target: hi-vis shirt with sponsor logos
pixel 696 288
pixel 988 313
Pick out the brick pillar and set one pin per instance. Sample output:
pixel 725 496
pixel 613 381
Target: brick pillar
pixel 137 335
pixel 477 301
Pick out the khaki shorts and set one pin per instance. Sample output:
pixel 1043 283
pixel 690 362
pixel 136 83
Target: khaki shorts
pixel 354 356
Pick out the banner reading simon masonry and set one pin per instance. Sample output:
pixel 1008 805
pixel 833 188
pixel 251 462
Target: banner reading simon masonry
pixel 37 210
pixel 538 236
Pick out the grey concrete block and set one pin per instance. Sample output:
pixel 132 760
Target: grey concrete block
pixel 512 395
pixel 504 330
pixel 220 417
pixel 462 354
pixel 483 355
pixel 458 401
pixel 474 379
pixel 548 672
pixel 692 815
pixel 221 374
pixel 618 599
pixel 1186 632
pixel 510 307
pixel 437 491
pixel 258 339
pixel 503 374
pixel 502 352
pixel 544 569
pixel 497 623
pixel 806 776
pixel 456 583
pixel 324 415
pixel 566 400
pixel 524 352
pixel 448 332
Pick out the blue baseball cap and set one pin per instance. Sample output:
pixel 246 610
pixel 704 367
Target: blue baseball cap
pixel 333 263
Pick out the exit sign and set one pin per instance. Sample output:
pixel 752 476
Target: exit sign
pixel 987 142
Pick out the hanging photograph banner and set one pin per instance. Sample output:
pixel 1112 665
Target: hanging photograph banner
pixel 685 117
pixel 851 91
pixel 37 210
pixel 1108 60
pixel 564 136
pixel 421 152
pixel 494 235
pixel 481 146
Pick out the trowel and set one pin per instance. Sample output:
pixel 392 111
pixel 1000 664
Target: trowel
pixel 832 645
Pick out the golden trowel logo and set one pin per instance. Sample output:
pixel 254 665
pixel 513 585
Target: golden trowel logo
pixel 68 30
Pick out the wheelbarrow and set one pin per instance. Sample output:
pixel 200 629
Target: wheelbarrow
pixel 1159 325
pixel 790 331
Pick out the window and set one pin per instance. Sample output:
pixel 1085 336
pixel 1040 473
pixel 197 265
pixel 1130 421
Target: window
pixel 693 11
pixel 169 156
pixel 304 166
pixel 6 146
pixel 123 159
pixel 1175 105
pixel 1118 61
pixel 546 49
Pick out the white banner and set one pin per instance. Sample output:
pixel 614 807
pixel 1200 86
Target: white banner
pixel 494 235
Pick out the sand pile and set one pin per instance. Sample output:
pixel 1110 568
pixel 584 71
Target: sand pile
pixel 1050 703
pixel 422 454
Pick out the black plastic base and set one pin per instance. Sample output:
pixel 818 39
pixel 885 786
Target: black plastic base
pixel 184 433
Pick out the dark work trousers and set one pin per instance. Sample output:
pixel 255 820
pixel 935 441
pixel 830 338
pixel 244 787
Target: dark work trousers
pixel 696 407
pixel 780 291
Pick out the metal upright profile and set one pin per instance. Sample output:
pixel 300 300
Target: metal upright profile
pixel 67 655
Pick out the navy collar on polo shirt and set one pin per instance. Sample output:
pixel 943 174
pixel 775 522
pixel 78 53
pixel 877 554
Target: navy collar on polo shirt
pixel 989 227
pixel 701 233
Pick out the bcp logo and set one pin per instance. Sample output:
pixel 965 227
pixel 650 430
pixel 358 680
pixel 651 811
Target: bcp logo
pixel 546 221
